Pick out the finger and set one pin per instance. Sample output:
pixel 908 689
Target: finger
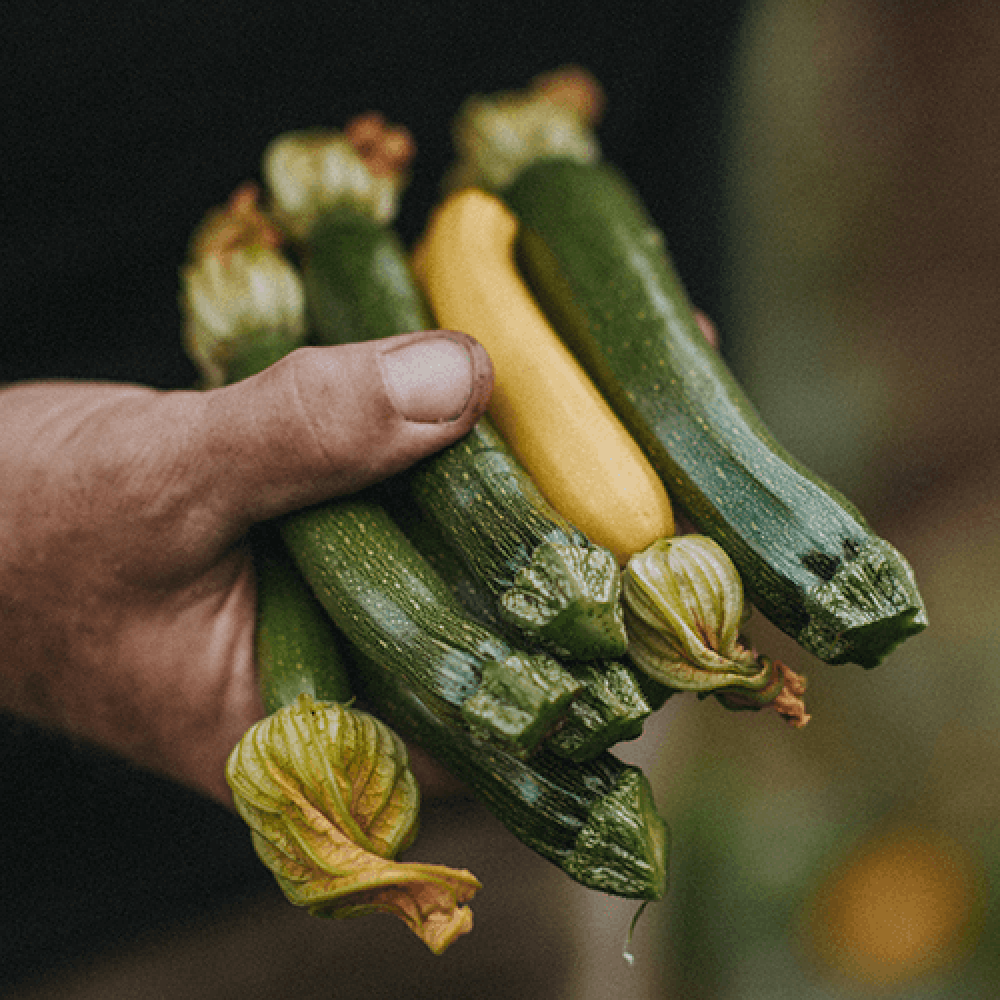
pixel 325 422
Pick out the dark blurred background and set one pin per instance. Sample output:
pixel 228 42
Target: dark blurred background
pixel 826 176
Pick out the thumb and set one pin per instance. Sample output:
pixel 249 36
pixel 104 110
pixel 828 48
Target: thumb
pixel 327 421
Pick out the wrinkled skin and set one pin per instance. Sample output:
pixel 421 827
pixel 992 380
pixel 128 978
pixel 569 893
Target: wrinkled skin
pixel 126 589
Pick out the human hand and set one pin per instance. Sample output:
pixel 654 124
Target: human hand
pixel 126 587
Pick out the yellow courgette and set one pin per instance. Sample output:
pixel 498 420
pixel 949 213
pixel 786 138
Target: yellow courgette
pixel 574 447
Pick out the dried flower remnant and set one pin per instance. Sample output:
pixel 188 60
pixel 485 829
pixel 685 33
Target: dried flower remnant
pixel 573 87
pixel 240 223
pixel 385 149
pixel 496 137
pixel 330 799
pixel 684 608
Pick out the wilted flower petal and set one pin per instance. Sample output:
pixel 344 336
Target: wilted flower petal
pixel 684 608
pixel 237 288
pixel 330 798
pixel 496 137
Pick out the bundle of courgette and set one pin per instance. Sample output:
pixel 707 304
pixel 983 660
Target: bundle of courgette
pixel 479 596
pixel 545 582
pixel 601 272
pixel 498 701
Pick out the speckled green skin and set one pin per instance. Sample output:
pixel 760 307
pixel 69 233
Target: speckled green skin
pixel 388 600
pixel 545 577
pixel 597 821
pixel 297 648
pixel 807 558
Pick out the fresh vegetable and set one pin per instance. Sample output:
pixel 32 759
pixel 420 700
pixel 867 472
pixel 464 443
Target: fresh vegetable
pixel 546 408
pixel 601 272
pixel 296 645
pixel 613 705
pixel 597 821
pixel 544 576
pixel 388 600
pixel 547 579
pixel 325 788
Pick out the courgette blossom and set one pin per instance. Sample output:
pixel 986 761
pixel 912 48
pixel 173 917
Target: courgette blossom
pixel 309 171
pixel 496 137
pixel 684 608
pixel 239 294
pixel 330 799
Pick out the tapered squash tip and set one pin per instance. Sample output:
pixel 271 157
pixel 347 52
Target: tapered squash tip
pixel 866 609
pixel 612 708
pixel 624 847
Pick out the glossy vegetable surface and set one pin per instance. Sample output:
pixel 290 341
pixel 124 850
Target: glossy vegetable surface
pixel 808 559
pixel 596 821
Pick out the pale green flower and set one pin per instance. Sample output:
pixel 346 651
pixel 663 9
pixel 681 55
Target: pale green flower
pixel 329 796
pixel 311 170
pixel 497 137
pixel 684 608
pixel 226 298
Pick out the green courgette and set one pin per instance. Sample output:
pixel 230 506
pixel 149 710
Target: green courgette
pixel 601 272
pixel 380 590
pixel 596 821
pixel 297 648
pixel 614 703
pixel 560 591
pixel 388 600
pixel 545 577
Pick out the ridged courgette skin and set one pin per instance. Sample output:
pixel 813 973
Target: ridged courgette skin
pixel 596 821
pixel 547 579
pixel 388 600
pixel 809 561
pixel 614 703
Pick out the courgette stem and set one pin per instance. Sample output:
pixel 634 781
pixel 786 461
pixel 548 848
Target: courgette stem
pixel 596 821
